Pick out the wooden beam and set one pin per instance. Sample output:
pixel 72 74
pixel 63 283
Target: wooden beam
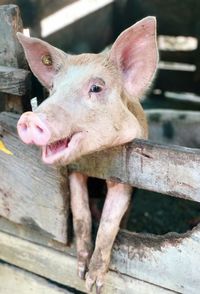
pixel 31 193
pixel 14 81
pixel 15 280
pixel 43 261
pixel 11 52
pixel 12 55
pixel 145 256
pixel 171 170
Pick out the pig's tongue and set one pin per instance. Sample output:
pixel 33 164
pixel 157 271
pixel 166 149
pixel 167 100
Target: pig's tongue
pixel 56 147
pixel 64 147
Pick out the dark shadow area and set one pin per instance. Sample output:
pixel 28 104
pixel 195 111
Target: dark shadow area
pixel 150 212
pixel 159 214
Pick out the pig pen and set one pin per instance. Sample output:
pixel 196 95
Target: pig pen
pixel 34 223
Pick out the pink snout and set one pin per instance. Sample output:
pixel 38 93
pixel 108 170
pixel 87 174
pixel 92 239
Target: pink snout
pixel 32 129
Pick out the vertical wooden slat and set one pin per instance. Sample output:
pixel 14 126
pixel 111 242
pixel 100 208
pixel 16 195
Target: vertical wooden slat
pixel 11 52
pixel 31 194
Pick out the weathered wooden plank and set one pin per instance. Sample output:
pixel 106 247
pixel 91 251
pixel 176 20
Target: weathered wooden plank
pixel 168 260
pixel 11 53
pixel 43 261
pixel 31 193
pixel 128 248
pixel 171 170
pixel 14 81
pixel 15 280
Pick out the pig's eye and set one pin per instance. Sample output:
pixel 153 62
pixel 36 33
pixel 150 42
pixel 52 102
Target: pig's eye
pixel 95 89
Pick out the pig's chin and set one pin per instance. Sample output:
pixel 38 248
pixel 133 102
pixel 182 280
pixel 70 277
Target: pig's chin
pixel 61 151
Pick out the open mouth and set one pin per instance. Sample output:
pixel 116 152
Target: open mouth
pixel 62 147
pixel 56 147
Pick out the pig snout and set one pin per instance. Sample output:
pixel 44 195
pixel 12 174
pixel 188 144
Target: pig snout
pixel 32 129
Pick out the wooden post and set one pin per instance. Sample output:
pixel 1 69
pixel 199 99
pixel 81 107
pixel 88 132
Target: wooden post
pixel 197 59
pixel 32 195
pixel 11 54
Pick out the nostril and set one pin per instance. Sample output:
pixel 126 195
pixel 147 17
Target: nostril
pixel 39 129
pixel 23 127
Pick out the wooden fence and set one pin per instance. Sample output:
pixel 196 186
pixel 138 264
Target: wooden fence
pixel 34 201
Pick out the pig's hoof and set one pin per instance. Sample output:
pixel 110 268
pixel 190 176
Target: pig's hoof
pixel 83 261
pixel 94 279
pixel 82 271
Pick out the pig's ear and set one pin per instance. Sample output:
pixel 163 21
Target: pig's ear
pixel 44 60
pixel 136 55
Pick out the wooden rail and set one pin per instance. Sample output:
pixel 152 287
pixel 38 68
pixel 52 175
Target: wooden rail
pixel 140 262
pixel 171 170
pixel 15 79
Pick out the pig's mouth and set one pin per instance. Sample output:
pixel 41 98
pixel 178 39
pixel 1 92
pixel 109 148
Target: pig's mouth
pixel 60 148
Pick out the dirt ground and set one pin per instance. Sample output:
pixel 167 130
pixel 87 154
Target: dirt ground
pixel 155 213
pixel 151 212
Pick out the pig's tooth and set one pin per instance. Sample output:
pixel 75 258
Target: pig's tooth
pixel 56 147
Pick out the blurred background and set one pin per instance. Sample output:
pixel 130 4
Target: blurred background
pixel 172 104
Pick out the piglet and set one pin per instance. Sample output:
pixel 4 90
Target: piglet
pixel 93 104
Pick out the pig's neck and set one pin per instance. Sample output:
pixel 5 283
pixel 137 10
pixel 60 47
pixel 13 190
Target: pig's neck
pixel 136 109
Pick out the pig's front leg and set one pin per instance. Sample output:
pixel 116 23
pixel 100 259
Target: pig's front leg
pixel 81 220
pixel 116 204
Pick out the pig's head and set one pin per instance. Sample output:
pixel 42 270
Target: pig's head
pixel 89 94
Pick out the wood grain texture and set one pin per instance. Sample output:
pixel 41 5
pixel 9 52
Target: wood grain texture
pixel 14 81
pixel 12 55
pixel 31 193
pixel 13 279
pixel 171 170
pixel 43 261
pixel 11 52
